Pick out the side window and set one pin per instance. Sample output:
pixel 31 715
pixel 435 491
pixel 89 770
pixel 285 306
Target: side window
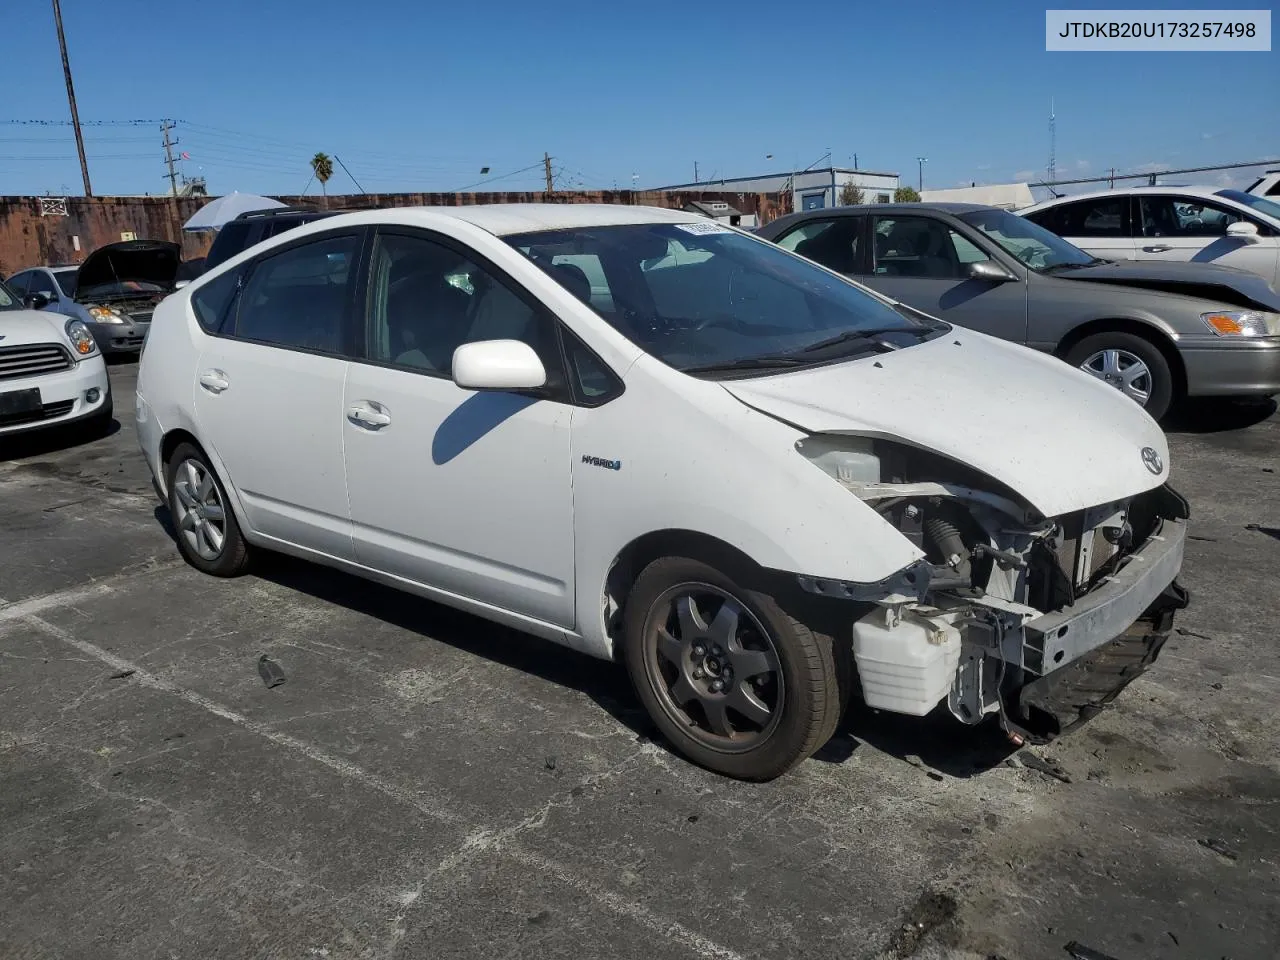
pixel 18 283
pixel 298 298
pixel 593 382
pixel 1099 217
pixel 884 198
pixel 427 299
pixel 966 250
pixel 214 301
pixel 1198 218
pixel 915 247
pixel 41 282
pixel 832 243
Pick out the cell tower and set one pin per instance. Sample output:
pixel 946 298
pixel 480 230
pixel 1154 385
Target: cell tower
pixel 1053 145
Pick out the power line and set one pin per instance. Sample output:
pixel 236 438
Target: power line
pixel 532 166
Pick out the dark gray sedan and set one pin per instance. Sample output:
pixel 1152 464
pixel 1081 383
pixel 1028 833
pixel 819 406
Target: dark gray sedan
pixel 1159 331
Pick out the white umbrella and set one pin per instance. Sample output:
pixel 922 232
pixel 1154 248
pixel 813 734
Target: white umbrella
pixel 217 212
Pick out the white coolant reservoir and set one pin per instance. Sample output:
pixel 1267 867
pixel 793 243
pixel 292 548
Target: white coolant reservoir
pixel 906 668
pixel 848 459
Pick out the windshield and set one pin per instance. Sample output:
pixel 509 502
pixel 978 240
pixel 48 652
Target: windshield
pixel 1261 204
pixel 66 281
pixel 701 297
pixel 1031 243
pixel 8 299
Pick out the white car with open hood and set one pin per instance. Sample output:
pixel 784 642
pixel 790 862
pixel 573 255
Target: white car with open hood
pixel 653 438
pixel 51 372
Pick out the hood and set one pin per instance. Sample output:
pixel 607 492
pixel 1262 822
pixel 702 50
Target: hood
pixel 1056 436
pixel 21 327
pixel 1208 281
pixel 147 261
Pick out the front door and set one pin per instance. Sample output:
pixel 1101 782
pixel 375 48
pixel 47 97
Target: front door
pixel 1192 228
pixel 923 262
pixel 468 492
pixel 268 393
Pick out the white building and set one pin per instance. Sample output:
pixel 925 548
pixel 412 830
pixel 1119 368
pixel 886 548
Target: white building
pixel 1009 196
pixel 814 189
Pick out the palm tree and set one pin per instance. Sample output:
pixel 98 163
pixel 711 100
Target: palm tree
pixel 322 167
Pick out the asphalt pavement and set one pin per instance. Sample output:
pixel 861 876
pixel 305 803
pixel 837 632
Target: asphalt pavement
pixel 425 784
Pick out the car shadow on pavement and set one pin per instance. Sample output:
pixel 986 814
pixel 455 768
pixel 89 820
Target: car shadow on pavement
pixel 1218 414
pixel 41 443
pixel 936 744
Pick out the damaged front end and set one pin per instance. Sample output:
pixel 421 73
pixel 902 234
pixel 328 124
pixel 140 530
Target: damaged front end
pixel 1041 620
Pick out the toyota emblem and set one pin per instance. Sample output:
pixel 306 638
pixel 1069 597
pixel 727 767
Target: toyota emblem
pixel 1152 460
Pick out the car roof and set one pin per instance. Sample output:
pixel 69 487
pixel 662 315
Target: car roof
pixel 1206 192
pixel 502 219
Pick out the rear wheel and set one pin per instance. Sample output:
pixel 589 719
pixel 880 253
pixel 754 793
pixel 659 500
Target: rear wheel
pixel 208 535
pixel 1130 363
pixel 734 682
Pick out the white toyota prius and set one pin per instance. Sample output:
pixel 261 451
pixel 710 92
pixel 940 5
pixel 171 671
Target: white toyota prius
pixel 650 437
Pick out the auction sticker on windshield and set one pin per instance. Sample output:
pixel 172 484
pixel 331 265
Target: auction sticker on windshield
pixel 702 229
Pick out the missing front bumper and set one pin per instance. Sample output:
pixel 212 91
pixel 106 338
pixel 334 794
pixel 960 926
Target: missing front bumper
pixel 1053 704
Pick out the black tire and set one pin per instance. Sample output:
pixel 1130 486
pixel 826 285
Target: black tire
pixel 1163 385
pixel 232 556
pixel 807 699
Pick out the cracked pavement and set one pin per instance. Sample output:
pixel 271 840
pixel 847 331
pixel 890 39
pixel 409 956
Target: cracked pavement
pixel 428 784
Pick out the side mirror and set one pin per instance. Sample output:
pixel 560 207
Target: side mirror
pixel 989 271
pixel 498 365
pixel 38 301
pixel 1243 230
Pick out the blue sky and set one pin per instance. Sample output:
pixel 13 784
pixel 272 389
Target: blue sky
pixel 420 96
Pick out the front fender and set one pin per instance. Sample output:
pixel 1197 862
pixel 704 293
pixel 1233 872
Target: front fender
pixel 696 459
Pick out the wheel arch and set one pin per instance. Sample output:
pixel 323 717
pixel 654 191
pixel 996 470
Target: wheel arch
pixel 1147 330
pixel 170 442
pixel 628 563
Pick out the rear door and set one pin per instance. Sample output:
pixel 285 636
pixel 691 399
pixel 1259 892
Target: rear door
pixel 923 262
pixel 1102 226
pixel 268 391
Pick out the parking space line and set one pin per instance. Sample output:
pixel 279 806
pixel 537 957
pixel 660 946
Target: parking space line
pixel 442 814
pixel 22 609
pixel 498 843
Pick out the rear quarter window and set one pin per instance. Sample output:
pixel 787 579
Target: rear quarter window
pixel 213 302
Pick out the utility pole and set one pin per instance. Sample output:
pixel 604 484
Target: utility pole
pixel 1052 169
pixel 920 162
pixel 1111 182
pixel 71 97
pixel 546 166
pixel 695 171
pixel 165 127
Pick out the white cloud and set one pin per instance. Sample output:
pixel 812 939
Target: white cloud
pixel 1023 175
pixel 984 166
pixel 1082 165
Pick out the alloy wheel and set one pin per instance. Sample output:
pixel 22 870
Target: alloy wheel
pixel 201 514
pixel 713 666
pixel 1125 371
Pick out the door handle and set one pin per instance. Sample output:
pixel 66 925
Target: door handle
pixel 1157 248
pixel 367 414
pixel 215 381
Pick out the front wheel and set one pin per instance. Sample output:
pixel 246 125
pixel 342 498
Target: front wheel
pixel 1132 364
pixel 734 682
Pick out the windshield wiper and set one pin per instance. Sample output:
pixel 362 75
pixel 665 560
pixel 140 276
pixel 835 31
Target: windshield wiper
pixel 861 336
pixel 750 363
